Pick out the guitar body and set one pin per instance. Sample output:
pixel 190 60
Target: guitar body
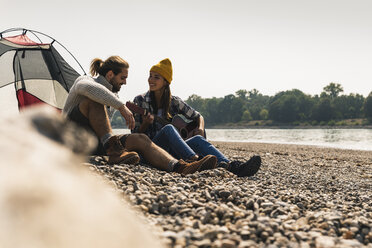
pixel 184 125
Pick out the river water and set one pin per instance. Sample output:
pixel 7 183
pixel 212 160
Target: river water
pixel 356 139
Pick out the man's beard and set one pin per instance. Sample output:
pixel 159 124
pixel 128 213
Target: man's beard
pixel 115 88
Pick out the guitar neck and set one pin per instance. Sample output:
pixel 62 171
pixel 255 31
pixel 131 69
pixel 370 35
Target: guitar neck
pixel 137 109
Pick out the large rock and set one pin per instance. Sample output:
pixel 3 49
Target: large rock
pixel 47 199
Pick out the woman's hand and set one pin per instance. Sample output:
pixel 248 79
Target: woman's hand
pixel 198 131
pixel 148 119
pixel 128 116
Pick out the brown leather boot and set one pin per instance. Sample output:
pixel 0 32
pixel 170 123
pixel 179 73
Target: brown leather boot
pixel 118 154
pixel 208 162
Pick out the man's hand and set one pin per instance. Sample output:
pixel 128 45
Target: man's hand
pixel 128 116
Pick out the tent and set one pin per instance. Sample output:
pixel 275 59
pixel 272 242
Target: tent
pixel 33 72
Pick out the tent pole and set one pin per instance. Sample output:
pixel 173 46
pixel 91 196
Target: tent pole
pixel 33 32
pixel 54 40
pixel 60 72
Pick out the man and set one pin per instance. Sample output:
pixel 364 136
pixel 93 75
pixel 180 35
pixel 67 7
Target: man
pixel 92 102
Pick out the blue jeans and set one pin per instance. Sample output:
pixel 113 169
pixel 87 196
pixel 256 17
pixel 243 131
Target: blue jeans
pixel 202 147
pixel 170 140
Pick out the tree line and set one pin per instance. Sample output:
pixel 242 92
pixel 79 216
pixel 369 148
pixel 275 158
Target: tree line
pixel 291 107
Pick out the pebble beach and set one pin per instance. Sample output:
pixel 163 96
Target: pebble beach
pixel 303 196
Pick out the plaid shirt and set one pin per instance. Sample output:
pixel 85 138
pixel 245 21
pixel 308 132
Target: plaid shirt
pixel 178 106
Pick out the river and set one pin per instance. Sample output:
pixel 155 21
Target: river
pixel 356 139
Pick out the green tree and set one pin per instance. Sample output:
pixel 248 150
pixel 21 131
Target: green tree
pixel 255 110
pixel 368 106
pixel 242 94
pixel 253 93
pixel 212 113
pixel 264 114
pixel 284 109
pixel 289 106
pixel 323 110
pixel 197 102
pixel 246 116
pixel 348 106
pixel 231 108
pixel 333 90
pixel 256 102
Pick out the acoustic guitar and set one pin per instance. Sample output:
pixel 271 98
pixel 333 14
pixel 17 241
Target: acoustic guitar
pixel 184 125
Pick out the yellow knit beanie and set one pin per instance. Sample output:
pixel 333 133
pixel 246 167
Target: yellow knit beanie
pixel 164 68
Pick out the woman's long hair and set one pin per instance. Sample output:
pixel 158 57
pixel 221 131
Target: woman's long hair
pixel 165 102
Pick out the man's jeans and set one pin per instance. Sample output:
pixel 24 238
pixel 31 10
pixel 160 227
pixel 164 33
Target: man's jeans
pixel 170 140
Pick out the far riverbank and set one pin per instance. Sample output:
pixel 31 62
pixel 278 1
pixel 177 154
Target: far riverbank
pixel 269 124
pixel 245 126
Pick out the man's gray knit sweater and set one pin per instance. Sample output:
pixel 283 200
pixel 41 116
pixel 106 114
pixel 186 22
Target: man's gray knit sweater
pixel 97 89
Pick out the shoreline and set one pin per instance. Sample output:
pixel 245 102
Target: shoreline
pixel 290 127
pixel 362 143
pixel 293 144
pixel 303 196
pixel 278 127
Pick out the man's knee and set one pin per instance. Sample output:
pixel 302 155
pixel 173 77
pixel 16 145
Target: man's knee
pixel 137 140
pixel 87 106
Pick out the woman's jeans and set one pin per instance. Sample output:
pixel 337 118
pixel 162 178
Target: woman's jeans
pixel 170 140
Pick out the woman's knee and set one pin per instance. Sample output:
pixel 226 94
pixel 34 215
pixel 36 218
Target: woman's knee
pixel 197 139
pixel 169 128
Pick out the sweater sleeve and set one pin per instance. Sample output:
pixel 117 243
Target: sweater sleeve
pixel 98 93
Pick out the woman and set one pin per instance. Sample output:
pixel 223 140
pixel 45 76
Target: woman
pixel 161 107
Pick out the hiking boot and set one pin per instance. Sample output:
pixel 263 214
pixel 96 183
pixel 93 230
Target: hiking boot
pixel 118 154
pixel 208 162
pixel 243 169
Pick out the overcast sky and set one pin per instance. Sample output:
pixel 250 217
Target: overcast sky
pixel 216 47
